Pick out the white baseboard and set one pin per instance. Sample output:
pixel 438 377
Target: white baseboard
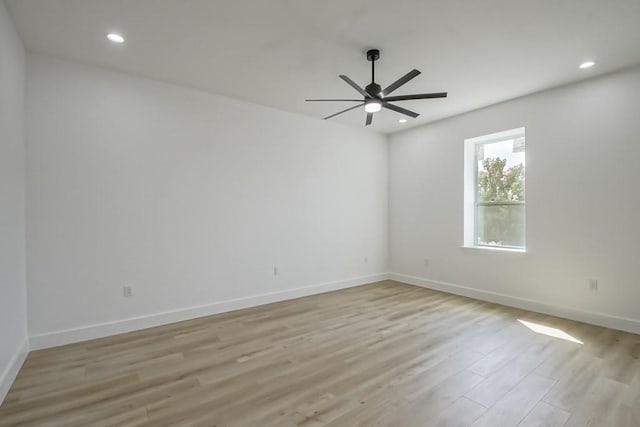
pixel 69 336
pixel 594 318
pixel 11 370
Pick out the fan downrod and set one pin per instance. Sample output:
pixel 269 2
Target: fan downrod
pixel 373 89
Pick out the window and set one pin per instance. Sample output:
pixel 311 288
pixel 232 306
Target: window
pixel 494 196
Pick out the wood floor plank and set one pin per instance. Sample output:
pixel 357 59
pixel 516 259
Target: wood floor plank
pixel 462 413
pixel 545 415
pixel 498 385
pixel 601 406
pixel 385 354
pixel 516 404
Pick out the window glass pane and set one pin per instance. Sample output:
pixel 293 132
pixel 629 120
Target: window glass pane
pixel 500 193
pixel 500 225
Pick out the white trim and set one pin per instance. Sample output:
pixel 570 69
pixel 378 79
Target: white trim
pixel 493 249
pixel 11 370
pixel 469 191
pixel 497 136
pixel 594 318
pixel 84 333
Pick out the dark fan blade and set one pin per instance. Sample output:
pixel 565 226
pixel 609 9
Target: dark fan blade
pixel 354 85
pixel 369 119
pixel 400 110
pixel 343 111
pixel 417 96
pixel 402 80
pixel 345 100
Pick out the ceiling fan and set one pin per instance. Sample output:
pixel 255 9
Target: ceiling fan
pixel 376 98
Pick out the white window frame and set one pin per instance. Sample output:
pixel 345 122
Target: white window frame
pixel 470 188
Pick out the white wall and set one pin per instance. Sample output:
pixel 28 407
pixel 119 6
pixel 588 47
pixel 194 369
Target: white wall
pixel 191 197
pixel 13 317
pixel 583 203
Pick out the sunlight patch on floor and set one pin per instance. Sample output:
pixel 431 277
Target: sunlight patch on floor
pixel 549 331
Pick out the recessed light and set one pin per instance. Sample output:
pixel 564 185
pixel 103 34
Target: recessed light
pixel 402 121
pixel 116 38
pixel 587 64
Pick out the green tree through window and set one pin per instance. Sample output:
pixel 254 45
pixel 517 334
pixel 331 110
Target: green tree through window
pixel 497 185
pixel 500 203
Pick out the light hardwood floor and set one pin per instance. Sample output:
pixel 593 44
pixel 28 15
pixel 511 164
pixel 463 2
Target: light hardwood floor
pixel 381 354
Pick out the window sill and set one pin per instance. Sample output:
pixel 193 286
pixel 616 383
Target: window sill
pixel 488 250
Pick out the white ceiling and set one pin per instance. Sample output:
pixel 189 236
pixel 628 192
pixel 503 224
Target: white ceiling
pixel 279 52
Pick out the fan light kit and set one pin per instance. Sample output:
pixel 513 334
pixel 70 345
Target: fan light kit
pixel 116 38
pixel 375 98
pixel 372 106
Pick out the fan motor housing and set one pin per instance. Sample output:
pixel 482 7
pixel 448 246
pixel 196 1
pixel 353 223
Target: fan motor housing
pixel 373 89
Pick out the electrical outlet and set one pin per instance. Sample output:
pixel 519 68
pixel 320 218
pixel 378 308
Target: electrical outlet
pixel 593 285
pixel 366 259
pixel 276 271
pixel 127 291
